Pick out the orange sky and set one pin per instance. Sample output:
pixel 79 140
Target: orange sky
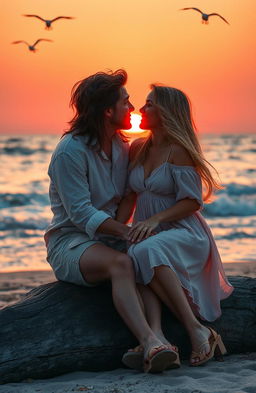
pixel 215 64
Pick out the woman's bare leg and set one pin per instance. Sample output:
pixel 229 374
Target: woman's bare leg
pixel 153 311
pixel 167 286
pixel 152 306
pixel 99 263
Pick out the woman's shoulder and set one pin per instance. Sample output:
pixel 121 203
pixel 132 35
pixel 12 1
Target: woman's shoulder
pixel 180 156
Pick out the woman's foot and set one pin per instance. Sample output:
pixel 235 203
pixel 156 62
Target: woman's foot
pixel 205 343
pixel 200 344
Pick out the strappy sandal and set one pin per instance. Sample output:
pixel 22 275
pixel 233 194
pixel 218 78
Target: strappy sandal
pixel 175 363
pixel 159 360
pixel 133 358
pixel 217 348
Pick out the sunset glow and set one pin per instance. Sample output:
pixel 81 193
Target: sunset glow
pixel 152 40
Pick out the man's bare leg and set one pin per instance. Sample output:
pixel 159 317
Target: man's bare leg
pixel 153 310
pixel 100 263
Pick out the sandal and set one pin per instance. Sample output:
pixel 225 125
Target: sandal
pixel 217 348
pixel 161 358
pixel 133 358
pixel 175 363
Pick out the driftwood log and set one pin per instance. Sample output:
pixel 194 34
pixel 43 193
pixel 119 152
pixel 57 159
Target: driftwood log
pixel 59 328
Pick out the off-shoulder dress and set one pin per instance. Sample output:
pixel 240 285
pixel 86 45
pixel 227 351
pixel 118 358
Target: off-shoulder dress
pixel 186 246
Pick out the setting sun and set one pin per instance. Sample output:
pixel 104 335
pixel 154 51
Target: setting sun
pixel 135 120
pixel 135 130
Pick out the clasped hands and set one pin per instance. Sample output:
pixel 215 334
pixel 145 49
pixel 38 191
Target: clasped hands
pixel 142 230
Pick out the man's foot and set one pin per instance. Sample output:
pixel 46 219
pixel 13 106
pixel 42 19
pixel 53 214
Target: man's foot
pixel 164 340
pixel 158 357
pixel 133 358
pixel 175 363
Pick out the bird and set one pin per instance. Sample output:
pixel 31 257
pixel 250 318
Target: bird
pixel 32 48
pixel 48 22
pixel 205 17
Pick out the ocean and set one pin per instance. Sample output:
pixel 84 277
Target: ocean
pixel 25 209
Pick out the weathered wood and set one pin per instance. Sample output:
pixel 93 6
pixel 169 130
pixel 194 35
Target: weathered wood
pixel 59 328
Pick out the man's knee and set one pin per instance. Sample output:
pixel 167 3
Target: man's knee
pixel 121 266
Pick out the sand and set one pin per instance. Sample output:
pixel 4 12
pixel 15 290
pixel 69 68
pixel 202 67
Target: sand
pixel 14 285
pixel 237 374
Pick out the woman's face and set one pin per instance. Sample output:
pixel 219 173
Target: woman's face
pixel 149 114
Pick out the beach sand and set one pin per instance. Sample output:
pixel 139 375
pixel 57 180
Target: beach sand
pixel 237 374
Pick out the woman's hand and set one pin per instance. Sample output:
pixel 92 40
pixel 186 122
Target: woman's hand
pixel 143 229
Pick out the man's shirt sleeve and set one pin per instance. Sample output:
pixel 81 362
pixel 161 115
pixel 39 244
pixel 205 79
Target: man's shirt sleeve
pixel 70 181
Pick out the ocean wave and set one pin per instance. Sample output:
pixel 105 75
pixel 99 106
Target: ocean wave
pixel 248 151
pixel 225 206
pixel 21 150
pixel 13 224
pixel 232 222
pixel 11 200
pixel 236 235
pixel 12 140
pixel 235 189
pixel 21 233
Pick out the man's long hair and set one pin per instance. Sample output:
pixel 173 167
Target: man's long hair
pixel 90 98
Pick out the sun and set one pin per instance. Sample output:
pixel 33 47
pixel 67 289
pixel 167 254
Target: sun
pixel 135 120
pixel 136 131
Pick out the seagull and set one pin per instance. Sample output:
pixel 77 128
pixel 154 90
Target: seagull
pixel 48 22
pixel 205 17
pixel 31 47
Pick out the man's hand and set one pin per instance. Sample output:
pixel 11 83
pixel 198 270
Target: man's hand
pixel 143 229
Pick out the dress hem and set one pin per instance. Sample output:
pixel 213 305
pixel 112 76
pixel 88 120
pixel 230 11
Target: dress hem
pixel 194 306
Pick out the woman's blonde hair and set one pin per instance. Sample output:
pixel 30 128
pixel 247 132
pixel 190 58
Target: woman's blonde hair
pixel 174 110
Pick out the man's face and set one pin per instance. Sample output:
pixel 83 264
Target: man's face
pixel 121 113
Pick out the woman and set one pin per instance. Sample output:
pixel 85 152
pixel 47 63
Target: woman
pixel 178 260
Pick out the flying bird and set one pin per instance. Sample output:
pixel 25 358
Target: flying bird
pixel 32 48
pixel 205 17
pixel 48 22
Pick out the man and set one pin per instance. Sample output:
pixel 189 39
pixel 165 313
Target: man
pixel 88 173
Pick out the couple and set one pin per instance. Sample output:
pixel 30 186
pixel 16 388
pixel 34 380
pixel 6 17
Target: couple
pixel 96 179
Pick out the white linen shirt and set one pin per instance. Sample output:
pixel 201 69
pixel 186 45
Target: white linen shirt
pixel 85 186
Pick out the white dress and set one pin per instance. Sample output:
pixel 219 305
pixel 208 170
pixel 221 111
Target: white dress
pixel 186 246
